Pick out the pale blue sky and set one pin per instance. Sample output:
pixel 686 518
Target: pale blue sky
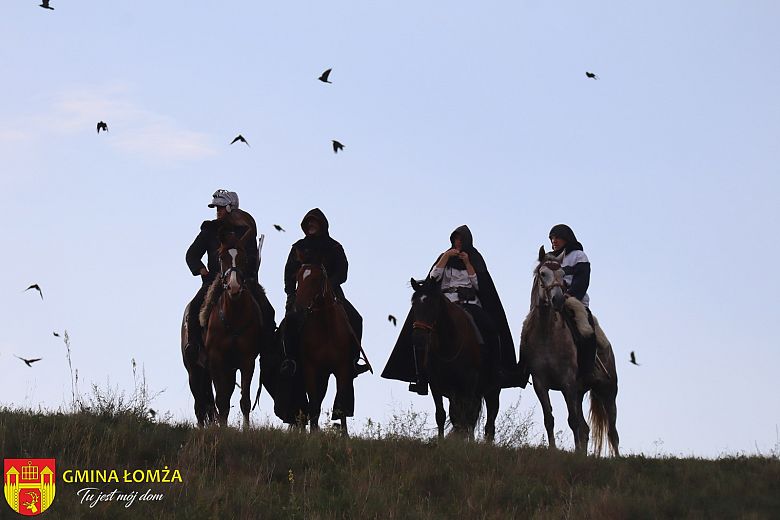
pixel 666 168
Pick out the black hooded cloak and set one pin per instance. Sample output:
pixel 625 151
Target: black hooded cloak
pixel 400 365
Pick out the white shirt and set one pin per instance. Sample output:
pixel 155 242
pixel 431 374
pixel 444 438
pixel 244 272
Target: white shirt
pixel 575 257
pixel 452 278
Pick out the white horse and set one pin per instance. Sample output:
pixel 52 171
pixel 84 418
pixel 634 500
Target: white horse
pixel 549 353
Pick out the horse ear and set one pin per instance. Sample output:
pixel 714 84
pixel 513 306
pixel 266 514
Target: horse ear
pixel 559 258
pixel 541 253
pixel 415 284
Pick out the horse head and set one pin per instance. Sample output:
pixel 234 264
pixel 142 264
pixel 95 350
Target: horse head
pixel 426 303
pixel 232 264
pixel 548 287
pixel 312 282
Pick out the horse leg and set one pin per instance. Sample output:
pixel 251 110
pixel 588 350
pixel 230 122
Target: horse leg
pixel 208 394
pixel 196 387
pixel 316 386
pixel 542 393
pixel 247 371
pixel 574 405
pixel 491 404
pixel 222 384
pixel 584 429
pixel 473 406
pixel 344 403
pixel 441 415
pixel 614 438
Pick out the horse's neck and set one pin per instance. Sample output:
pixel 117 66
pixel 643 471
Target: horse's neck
pixel 446 325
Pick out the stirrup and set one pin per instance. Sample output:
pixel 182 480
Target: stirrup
pixel 288 367
pixel 358 369
pixel 419 388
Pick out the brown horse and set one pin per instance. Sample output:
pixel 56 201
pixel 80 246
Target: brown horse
pixel 451 356
pixel 199 378
pixel 325 342
pixel 234 331
pixel 549 352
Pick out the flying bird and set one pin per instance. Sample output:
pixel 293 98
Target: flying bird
pixel 56 334
pixel 28 362
pixel 45 5
pixel 37 288
pixel 102 126
pixel 324 76
pixel 278 227
pixel 337 146
pixel 633 359
pixel 392 319
pixel 239 137
pixel 591 75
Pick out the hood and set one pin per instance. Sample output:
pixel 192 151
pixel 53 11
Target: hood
pixel 465 236
pixel 318 215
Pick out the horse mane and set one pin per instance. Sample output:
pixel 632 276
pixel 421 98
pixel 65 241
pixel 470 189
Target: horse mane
pixel 208 303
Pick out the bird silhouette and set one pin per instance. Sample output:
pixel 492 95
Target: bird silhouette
pixel 591 75
pixel 633 359
pixel 28 362
pixel 45 5
pixel 37 288
pixel 324 76
pixel 392 319
pixel 337 146
pixel 239 137
pixel 56 334
pixel 102 126
pixel 278 227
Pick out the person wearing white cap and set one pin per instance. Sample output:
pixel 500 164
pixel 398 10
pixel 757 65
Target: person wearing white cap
pixel 207 242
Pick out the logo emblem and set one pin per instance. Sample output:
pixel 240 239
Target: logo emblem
pixel 28 485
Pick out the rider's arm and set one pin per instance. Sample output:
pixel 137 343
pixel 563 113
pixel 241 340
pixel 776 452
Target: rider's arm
pixel 337 270
pixel 196 252
pixel 580 279
pixel 290 271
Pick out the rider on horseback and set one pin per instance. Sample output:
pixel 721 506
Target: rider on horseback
pixel 317 244
pixel 464 279
pixel 208 242
pixel 576 267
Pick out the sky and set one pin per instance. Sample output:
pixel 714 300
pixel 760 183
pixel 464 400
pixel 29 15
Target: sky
pixel 451 113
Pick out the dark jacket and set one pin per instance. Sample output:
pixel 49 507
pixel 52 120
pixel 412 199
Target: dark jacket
pixel 401 363
pixel 577 266
pixel 320 248
pixel 207 242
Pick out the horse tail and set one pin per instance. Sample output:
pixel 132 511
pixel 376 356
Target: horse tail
pixel 599 422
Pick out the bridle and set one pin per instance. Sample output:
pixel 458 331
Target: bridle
pixel 552 265
pixel 225 275
pixel 322 295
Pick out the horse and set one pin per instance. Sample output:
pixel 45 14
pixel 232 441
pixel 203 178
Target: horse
pixel 199 379
pixel 549 352
pixel 234 333
pixel 445 335
pixel 325 340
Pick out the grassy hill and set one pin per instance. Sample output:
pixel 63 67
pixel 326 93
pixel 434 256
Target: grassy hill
pixel 269 473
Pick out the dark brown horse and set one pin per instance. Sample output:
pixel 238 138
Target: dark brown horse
pixel 199 378
pixel 549 352
pixel 453 360
pixel 234 331
pixel 326 343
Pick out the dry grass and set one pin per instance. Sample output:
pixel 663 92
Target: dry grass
pixel 270 473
